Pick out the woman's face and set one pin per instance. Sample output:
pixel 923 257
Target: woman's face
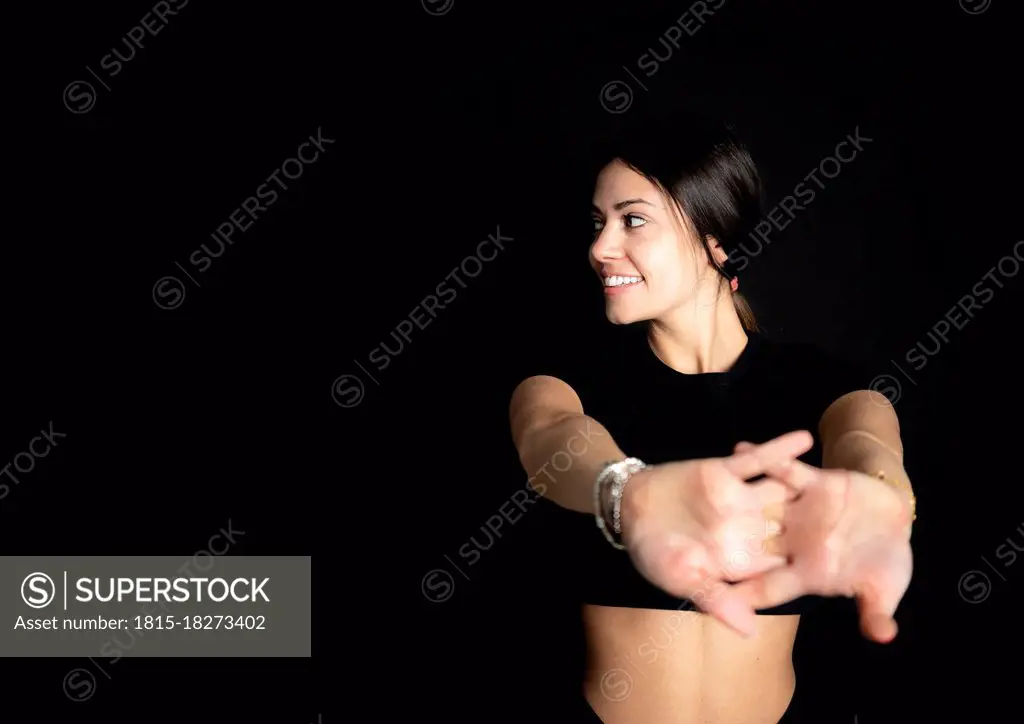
pixel 645 251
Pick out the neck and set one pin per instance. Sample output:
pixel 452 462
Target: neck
pixel 695 339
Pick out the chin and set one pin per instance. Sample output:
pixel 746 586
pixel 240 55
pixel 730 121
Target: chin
pixel 621 316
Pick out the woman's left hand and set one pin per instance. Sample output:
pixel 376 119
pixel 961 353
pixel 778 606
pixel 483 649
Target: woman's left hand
pixel 845 534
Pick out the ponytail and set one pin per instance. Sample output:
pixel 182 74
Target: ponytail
pixel 743 310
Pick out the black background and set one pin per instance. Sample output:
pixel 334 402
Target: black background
pixel 448 127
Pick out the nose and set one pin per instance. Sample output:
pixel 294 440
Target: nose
pixel 607 246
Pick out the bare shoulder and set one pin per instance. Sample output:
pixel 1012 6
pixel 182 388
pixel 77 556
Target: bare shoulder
pixel 545 391
pixel 540 400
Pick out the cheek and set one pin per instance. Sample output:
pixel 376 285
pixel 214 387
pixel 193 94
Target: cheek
pixel 662 261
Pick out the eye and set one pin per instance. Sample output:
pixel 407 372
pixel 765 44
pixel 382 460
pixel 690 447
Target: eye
pixel 633 221
pixel 598 225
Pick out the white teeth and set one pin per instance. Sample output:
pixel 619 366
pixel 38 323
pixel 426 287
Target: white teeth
pixel 621 281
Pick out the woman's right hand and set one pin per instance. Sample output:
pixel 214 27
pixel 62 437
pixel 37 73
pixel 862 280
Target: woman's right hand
pixel 693 527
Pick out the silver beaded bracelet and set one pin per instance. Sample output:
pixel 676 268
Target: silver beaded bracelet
pixel 614 475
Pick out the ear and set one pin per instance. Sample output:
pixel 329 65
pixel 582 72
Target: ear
pixel 717 252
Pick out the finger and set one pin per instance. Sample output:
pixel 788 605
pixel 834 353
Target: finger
pixel 796 474
pixel 721 602
pixel 748 533
pixel 750 565
pixel 756 460
pixel 769 495
pixel 707 591
pixel 774 546
pixel 774 588
pixel 774 512
pixel 876 615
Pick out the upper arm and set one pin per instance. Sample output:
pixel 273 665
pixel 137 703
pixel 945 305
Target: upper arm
pixel 539 401
pixel 864 411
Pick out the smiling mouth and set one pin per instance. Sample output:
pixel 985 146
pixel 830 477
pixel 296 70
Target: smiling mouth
pixel 621 281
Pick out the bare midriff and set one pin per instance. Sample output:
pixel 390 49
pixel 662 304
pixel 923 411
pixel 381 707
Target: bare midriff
pixel 686 667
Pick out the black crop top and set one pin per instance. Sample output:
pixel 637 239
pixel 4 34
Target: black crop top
pixel 658 415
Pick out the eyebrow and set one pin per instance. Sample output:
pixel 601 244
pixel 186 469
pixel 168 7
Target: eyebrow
pixel 623 204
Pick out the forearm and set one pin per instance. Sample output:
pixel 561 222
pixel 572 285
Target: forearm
pixel 564 458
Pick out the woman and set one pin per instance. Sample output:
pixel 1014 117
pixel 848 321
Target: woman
pixel 686 546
